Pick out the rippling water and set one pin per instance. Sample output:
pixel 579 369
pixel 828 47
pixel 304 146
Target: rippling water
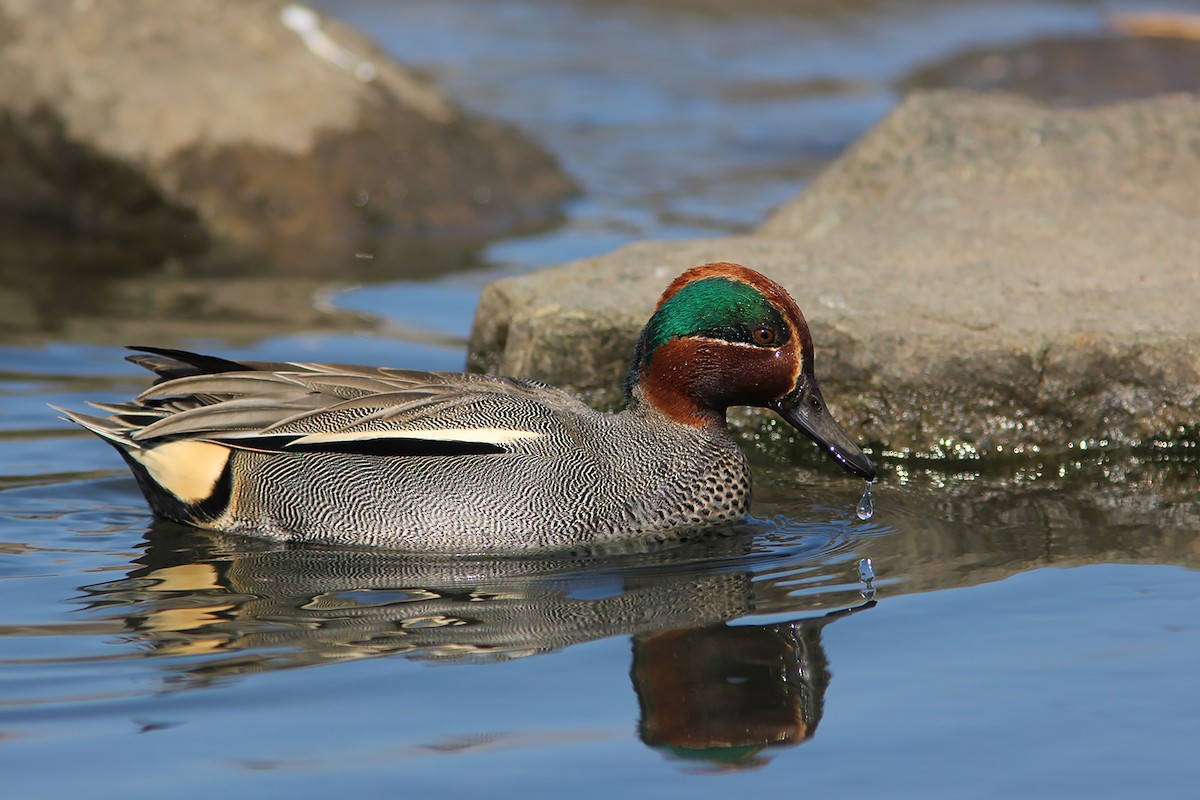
pixel 1030 630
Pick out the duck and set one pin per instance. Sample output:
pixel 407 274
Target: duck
pixel 461 463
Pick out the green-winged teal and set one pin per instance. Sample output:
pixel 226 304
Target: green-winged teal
pixel 469 463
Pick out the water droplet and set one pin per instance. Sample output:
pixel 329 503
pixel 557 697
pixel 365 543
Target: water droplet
pixel 865 509
pixel 866 574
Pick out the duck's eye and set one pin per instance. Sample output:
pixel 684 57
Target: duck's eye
pixel 763 336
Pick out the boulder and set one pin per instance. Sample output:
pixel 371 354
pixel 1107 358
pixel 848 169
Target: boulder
pixel 260 131
pixel 981 274
pixel 1071 71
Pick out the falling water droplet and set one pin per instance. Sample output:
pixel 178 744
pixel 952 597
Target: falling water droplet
pixel 866 574
pixel 866 570
pixel 865 509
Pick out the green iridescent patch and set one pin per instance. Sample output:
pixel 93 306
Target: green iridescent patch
pixel 715 308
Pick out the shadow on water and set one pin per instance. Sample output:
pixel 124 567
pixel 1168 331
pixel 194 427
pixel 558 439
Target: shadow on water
pixel 218 608
pixel 960 524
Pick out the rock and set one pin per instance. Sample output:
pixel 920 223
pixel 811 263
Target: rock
pixel 980 274
pixel 1071 72
pixel 258 129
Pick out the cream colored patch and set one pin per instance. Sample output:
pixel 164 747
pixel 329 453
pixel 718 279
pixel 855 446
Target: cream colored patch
pixel 497 436
pixel 185 578
pixel 187 469
pixel 184 623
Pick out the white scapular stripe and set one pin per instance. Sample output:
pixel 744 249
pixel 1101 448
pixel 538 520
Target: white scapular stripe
pixel 496 436
pixel 187 469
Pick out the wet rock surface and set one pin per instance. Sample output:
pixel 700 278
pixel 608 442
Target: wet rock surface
pixel 981 273
pixel 251 131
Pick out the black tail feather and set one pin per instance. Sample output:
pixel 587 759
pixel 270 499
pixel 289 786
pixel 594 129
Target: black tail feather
pixel 169 364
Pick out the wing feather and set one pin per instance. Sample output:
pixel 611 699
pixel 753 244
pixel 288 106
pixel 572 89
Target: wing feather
pixel 247 414
pixel 308 406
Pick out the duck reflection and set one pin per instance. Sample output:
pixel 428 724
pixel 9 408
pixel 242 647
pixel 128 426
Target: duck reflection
pixel 709 692
pixel 720 695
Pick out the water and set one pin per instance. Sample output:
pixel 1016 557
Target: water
pixel 865 509
pixel 866 572
pixel 999 628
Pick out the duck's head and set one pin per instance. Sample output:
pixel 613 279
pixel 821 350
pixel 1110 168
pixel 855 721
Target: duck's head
pixel 723 335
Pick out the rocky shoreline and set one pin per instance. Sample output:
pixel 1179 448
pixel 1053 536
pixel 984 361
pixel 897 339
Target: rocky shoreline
pixel 981 274
pixel 260 134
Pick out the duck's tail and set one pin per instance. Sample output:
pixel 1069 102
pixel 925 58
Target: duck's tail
pixel 169 364
pixel 116 429
pixel 183 480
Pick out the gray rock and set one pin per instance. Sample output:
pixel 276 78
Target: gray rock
pixel 980 273
pixel 259 128
pixel 1071 71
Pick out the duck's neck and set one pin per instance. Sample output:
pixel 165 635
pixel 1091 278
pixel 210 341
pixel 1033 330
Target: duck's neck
pixel 668 384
